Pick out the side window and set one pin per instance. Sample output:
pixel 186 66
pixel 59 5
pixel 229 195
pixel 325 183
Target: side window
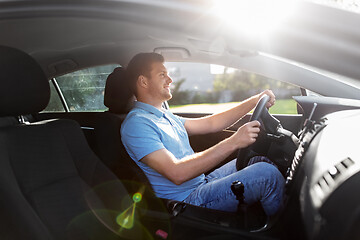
pixel 82 90
pixel 206 88
pixel 55 104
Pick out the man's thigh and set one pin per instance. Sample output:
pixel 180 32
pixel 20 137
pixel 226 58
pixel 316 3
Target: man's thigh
pixel 262 182
pixel 217 194
pixel 225 170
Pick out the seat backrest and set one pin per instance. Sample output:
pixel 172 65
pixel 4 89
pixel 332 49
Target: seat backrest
pixel 119 99
pixel 52 186
pixel 118 96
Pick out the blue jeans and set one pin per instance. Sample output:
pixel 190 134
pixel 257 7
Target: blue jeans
pixel 262 181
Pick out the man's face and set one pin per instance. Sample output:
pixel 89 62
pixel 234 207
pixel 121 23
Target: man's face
pixel 159 82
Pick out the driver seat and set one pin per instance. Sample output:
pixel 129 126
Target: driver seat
pixel 119 100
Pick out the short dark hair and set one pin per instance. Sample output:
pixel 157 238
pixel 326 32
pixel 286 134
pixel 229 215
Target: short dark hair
pixel 140 64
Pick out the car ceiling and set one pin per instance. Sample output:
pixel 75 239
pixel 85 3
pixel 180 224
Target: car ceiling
pixel 64 36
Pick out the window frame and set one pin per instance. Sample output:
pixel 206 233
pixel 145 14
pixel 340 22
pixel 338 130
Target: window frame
pixel 60 94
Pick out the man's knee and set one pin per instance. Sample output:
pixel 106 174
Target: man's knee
pixel 275 183
pixel 269 170
pixel 273 179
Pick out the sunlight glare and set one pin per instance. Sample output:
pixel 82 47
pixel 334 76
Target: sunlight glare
pixel 254 17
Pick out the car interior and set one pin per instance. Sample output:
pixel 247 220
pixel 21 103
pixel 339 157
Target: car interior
pixel 66 175
pixel 52 182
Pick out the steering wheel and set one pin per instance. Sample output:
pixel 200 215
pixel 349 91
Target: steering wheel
pixel 269 125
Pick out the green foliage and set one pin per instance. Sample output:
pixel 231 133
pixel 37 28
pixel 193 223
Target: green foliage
pixel 284 106
pixel 84 89
pixel 179 97
pixel 205 97
pixel 243 84
pixel 239 84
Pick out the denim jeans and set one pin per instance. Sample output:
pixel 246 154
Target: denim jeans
pixel 262 181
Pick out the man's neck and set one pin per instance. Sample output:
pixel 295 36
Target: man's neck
pixel 156 104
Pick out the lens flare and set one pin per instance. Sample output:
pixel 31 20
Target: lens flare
pixel 119 206
pixel 126 218
pixel 137 197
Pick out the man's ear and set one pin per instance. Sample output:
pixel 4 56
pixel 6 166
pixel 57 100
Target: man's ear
pixel 142 81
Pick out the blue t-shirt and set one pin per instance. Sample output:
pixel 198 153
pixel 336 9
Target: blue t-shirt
pixel 147 129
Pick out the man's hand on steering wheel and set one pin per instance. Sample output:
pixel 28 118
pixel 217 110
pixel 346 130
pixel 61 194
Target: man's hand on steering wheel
pixel 246 134
pixel 271 101
pixel 268 123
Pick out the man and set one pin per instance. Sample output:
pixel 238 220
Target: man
pixel 158 142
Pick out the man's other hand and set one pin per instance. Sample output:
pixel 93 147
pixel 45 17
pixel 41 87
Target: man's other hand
pixel 246 134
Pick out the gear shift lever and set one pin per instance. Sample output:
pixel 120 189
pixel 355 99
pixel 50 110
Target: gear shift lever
pixel 237 188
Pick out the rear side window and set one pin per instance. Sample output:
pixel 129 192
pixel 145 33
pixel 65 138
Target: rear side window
pixel 81 90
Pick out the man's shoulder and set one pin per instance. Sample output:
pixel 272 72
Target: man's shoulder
pixel 137 115
pixel 136 118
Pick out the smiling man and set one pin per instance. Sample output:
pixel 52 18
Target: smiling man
pixel 158 142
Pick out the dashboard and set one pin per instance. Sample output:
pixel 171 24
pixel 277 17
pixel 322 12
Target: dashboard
pixel 326 168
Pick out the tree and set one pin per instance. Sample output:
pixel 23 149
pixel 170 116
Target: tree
pixel 239 83
pixel 179 97
pixel 243 84
pixel 84 89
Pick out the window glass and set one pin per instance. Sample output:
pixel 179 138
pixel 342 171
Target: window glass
pixel 55 104
pixel 206 88
pixel 84 90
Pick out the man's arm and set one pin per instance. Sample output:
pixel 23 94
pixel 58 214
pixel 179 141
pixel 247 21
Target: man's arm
pixel 179 171
pixel 220 121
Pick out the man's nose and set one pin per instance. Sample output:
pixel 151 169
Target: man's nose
pixel 169 79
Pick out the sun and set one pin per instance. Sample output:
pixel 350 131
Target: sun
pixel 254 17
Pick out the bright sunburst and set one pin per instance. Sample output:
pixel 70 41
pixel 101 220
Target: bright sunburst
pixel 254 17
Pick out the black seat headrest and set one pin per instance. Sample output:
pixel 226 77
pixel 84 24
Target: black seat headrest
pixel 118 95
pixel 24 86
